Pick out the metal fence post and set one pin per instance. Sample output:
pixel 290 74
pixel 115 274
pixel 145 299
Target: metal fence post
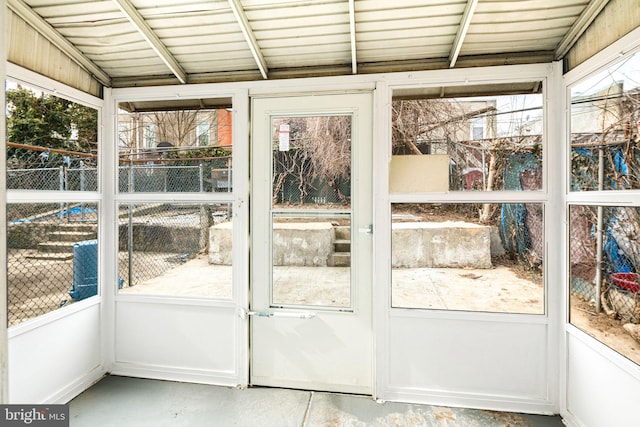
pixel 599 225
pixel 61 187
pixel 130 244
pixel 82 184
pixel 166 173
pixel 82 177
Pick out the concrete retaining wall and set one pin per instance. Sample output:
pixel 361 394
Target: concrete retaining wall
pixel 220 238
pixel 415 244
pixel 441 244
pixel 303 244
pixel 299 244
pixel 160 238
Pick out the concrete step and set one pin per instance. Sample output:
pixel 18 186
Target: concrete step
pixel 71 236
pixel 343 232
pixel 63 256
pixel 342 246
pixel 55 247
pixel 77 226
pixel 339 259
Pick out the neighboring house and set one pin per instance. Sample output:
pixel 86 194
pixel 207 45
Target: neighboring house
pixel 141 133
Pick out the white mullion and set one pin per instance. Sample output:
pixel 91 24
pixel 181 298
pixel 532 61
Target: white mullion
pixel 4 339
pixel 471 197
pixel 36 196
pixel 108 229
pixel 207 198
pixel 605 198
pixel 381 239
pixel 240 229
pixel 554 228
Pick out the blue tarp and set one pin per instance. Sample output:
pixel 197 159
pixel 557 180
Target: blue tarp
pixel 515 233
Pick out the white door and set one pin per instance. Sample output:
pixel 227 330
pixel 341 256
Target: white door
pixel 311 216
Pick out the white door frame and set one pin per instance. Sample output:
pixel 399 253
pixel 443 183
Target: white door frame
pixel 217 330
pixel 348 366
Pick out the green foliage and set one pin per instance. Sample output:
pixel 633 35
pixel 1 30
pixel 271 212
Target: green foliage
pixel 85 120
pixel 204 152
pixel 48 121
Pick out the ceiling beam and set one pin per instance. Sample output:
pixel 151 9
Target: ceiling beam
pixel 469 10
pixel 352 31
pixel 152 38
pixel 579 27
pixel 243 21
pixel 21 9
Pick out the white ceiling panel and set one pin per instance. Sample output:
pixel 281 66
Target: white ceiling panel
pixel 149 41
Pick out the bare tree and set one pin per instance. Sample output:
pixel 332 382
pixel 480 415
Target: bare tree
pixel 319 154
pixel 429 121
pixel 179 127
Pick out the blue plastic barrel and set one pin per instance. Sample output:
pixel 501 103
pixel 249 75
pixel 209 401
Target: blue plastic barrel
pixel 85 270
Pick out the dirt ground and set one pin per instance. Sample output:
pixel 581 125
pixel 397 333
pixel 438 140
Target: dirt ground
pixel 36 286
pixel 605 329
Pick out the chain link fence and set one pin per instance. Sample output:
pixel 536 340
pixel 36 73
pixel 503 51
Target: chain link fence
pixel 154 238
pixel 51 257
pixel 211 175
pixel 35 169
pixel 616 164
pixel 604 248
pixel 53 249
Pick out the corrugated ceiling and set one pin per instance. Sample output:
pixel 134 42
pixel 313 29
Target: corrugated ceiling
pixel 141 42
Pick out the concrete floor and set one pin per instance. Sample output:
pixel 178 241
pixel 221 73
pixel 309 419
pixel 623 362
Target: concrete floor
pixel 133 402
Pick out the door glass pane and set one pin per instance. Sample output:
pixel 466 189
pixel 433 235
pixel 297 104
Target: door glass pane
pixel 311 217
pixel 473 257
pixel 311 260
pixel 175 146
pixel 179 250
pixel 311 162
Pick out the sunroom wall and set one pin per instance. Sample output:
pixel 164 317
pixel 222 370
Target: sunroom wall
pixel 600 383
pixel 55 356
pixel 537 390
pixel 581 351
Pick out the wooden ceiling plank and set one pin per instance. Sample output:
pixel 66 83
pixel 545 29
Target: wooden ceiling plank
pixel 579 27
pixel 21 9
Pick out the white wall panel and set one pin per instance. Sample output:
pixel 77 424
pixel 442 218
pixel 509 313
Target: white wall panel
pixel 469 363
pixel 175 341
pixel 599 392
pixel 55 360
